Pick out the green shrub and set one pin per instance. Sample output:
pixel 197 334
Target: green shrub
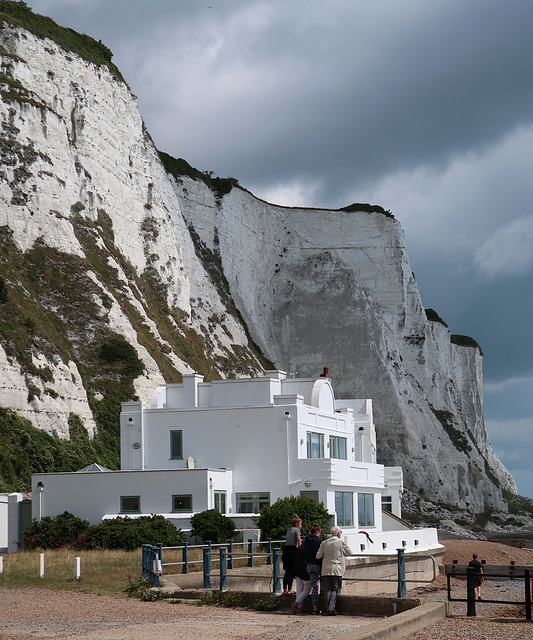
pixel 213 526
pixel 465 341
pixel 54 532
pixel 131 533
pixel 66 529
pixel 143 589
pixel 274 520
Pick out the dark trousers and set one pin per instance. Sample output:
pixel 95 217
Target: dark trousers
pixel 332 588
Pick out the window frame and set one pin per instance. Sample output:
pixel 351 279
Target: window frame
pixel 313 495
pixel 346 498
pixel 364 500
pixel 334 442
pixel 182 495
pixel 217 494
pixel 124 510
pixel 311 444
pixel 173 433
pixel 255 499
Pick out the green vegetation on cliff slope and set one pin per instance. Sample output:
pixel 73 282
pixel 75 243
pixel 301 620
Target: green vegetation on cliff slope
pixel 19 14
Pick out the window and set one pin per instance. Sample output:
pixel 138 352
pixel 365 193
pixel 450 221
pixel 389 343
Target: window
pixel 182 503
pixel 251 502
pixel 130 504
pixel 220 501
pixel 344 508
pixel 386 503
pixel 337 447
pixel 315 445
pixel 176 445
pixel 310 494
pixel 365 509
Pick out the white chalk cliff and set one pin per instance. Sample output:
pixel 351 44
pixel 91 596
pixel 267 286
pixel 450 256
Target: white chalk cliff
pixel 312 288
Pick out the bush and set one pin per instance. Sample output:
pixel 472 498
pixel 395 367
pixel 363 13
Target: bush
pixel 131 533
pixel 117 533
pixel 274 520
pixel 54 532
pixel 213 526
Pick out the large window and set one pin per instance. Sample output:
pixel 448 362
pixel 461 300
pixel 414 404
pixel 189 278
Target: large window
pixel 130 504
pixel 220 501
pixel 182 503
pixel 365 509
pixel 251 502
pixel 313 495
pixel 315 445
pixel 337 447
pixel 176 444
pixel 344 508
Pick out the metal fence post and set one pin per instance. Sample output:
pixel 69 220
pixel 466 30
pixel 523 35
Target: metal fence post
pixel 250 552
pixel 471 591
pixel 230 554
pixel 402 591
pixel 156 560
pixel 276 581
pixel 527 578
pixel 207 568
pixel 185 558
pixel 143 562
pixel 223 570
pixel 269 550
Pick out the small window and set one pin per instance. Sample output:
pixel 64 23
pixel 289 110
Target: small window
pixel 315 445
pixel 176 445
pixel 130 504
pixel 310 494
pixel 251 502
pixel 337 447
pixel 365 509
pixel 182 503
pixel 344 508
pixel 386 503
pixel 220 501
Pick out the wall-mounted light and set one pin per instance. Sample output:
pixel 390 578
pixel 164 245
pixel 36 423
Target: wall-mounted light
pixel 287 414
pixel 40 486
pixel 307 483
pixel 301 441
pixel 136 445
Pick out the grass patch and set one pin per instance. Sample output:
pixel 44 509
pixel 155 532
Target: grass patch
pixel 20 15
pixel 101 571
pixel 465 341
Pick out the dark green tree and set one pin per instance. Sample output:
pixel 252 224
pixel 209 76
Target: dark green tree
pixel 274 520
pixel 212 525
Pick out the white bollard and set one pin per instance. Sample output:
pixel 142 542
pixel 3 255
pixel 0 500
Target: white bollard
pixel 1 564
pixel 41 565
pixel 77 567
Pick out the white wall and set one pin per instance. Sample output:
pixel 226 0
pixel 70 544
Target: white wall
pixel 93 495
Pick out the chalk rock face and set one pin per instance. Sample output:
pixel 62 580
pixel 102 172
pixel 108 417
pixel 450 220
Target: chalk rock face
pixel 322 287
pixel 315 288
pixel 75 158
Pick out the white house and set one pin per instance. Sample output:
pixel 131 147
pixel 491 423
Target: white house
pixel 235 445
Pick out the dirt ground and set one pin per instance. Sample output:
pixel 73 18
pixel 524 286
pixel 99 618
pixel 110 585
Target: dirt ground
pixel 34 614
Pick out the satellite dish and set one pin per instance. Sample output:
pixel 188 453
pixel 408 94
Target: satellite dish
pixel 190 462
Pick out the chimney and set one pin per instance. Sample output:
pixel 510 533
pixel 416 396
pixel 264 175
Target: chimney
pixel 325 373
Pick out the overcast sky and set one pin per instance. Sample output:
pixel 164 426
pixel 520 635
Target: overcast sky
pixel 424 107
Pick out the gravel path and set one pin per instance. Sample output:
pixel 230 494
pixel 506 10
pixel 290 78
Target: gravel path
pixel 34 614
pixel 31 614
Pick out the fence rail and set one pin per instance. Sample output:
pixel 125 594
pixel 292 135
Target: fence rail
pixel 494 572
pixel 152 564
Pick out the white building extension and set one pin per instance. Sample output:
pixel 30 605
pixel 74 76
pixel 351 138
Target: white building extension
pixel 235 445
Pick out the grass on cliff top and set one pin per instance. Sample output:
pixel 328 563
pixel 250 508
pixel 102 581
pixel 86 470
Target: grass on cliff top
pixel 19 14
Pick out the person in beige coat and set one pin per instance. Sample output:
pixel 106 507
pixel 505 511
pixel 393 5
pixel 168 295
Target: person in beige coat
pixel 333 551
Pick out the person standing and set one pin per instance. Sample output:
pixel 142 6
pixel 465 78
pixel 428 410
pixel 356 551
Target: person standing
pixel 333 551
pixel 293 540
pixel 312 543
pixel 303 583
pixel 476 564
